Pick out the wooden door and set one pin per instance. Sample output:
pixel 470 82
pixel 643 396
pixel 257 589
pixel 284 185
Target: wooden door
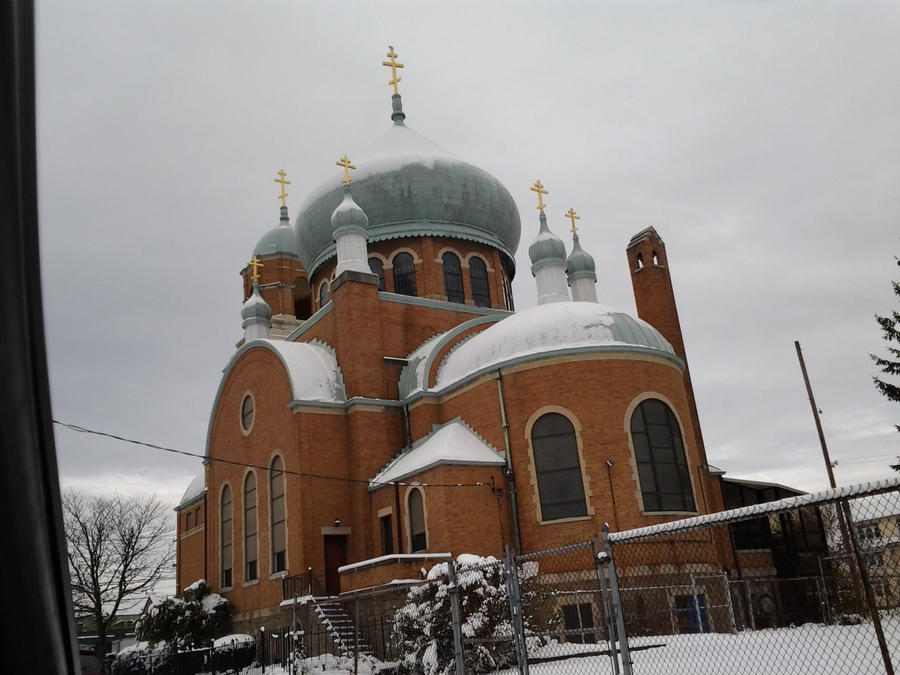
pixel 335 556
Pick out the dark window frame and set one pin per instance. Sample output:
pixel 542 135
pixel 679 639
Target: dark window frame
pixel 404 273
pixel 479 282
pixel 557 468
pixel 660 458
pixel 453 279
pixel 418 529
pixel 277 503
pixel 251 528
pixel 226 536
pixel 377 270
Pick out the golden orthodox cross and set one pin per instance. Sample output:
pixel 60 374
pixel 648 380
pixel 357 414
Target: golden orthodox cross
pixel 537 187
pixel 254 268
pixel 393 65
pixel 345 163
pixel 570 214
pixel 281 179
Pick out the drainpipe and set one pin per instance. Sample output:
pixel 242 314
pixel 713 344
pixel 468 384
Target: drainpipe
pixel 508 470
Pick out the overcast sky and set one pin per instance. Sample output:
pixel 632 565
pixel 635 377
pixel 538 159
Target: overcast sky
pixel 760 139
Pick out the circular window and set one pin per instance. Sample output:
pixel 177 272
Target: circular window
pixel 247 413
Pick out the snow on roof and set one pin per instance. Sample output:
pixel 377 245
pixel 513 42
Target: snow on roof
pixel 762 485
pixel 196 488
pixel 311 368
pixel 453 443
pixel 547 329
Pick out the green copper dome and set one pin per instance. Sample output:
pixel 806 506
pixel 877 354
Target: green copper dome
pixel 546 247
pixel 410 187
pixel 280 239
pixel 580 263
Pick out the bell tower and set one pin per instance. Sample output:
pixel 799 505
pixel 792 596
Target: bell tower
pixel 654 298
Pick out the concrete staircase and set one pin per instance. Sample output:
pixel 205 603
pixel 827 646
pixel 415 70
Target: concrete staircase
pixel 335 620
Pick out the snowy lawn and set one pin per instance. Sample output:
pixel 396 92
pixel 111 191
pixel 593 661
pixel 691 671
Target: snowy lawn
pixel 811 648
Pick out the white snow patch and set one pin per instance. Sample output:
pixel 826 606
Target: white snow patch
pixel 454 443
pixel 312 370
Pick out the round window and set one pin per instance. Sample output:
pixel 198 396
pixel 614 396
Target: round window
pixel 247 412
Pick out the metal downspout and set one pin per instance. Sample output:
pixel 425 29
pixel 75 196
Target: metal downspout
pixel 510 479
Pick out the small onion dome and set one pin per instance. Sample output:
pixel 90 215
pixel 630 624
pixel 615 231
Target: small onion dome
pixel 255 309
pixel 348 217
pixel 280 239
pixel 579 263
pixel 546 247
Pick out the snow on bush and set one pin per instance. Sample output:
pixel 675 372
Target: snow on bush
pixel 423 628
pixel 194 619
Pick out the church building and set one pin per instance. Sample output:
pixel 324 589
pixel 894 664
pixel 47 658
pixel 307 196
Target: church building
pixel 387 403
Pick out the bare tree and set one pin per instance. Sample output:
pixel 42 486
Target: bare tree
pixel 118 548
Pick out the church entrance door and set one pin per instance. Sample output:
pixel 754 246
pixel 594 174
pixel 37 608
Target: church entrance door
pixel 335 556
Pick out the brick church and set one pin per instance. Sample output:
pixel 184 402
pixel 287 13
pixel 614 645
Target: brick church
pixel 387 403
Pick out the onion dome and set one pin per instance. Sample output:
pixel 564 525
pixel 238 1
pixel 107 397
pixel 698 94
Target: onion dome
pixel 280 239
pixel 580 264
pixel 348 217
pixel 546 248
pixel 410 187
pixel 255 309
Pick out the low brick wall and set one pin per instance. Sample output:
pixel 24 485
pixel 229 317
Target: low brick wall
pixel 385 569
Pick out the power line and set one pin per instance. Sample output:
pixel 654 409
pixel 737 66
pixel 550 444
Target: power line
pixel 85 430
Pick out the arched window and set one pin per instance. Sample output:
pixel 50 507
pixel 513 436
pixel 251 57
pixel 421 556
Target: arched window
pixel 250 527
pixel 452 277
pixel 655 258
pixel 507 292
pixel 276 505
pixel 377 267
pixel 225 533
pixel 659 455
pixel 417 539
pixel 323 294
pixel 404 274
pixel 639 261
pixel 481 292
pixel 558 470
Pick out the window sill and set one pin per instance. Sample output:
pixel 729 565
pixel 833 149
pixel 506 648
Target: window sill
pixel 575 519
pixel 682 514
pixel 252 582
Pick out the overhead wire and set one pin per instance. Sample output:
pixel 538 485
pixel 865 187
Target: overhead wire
pixel 85 430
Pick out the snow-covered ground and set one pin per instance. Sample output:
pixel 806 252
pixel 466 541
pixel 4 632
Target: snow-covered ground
pixel 808 649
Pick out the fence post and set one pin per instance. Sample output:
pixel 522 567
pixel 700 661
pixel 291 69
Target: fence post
pixel 599 560
pixel 355 632
pixel 456 616
pixel 515 611
pixel 696 604
pixel 844 507
pixel 726 585
pixel 617 602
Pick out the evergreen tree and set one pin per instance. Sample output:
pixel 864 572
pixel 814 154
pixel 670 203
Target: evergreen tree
pixel 890 331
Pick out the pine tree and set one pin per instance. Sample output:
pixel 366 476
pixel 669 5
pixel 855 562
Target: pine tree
pixel 890 331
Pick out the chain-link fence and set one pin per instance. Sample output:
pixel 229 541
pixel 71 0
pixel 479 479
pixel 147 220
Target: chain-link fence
pixel 804 585
pixel 809 584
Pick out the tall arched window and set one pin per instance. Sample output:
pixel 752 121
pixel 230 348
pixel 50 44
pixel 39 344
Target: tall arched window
pixel 558 470
pixel 250 527
pixel 481 292
pixel 323 294
pixel 377 267
pixel 417 538
pixel 452 277
pixel 226 555
pixel 659 455
pixel 277 509
pixel 404 274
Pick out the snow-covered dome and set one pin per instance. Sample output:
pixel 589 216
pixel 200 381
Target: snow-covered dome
pixel 550 329
pixel 410 187
pixel 546 247
pixel 347 214
pixel 196 488
pixel 280 239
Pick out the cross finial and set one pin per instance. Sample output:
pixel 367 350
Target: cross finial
pixel 254 268
pixel 281 179
pixel 570 214
pixel 537 187
pixel 393 65
pixel 345 163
